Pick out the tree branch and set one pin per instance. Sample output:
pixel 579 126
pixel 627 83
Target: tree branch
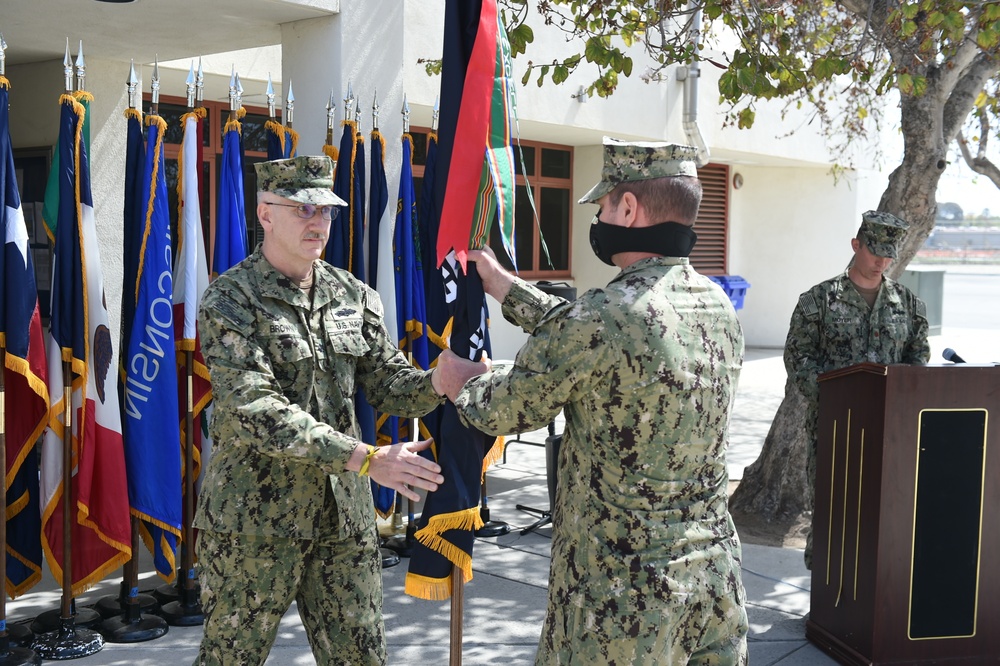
pixel 962 97
pixel 980 163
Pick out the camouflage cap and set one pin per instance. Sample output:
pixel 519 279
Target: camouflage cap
pixel 641 160
pixel 882 233
pixel 306 179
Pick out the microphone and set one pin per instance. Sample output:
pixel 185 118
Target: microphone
pixel 950 355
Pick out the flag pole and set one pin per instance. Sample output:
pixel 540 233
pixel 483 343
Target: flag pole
pixel 186 611
pixel 9 655
pixel 124 622
pixel 69 641
pixel 62 634
pixel 457 610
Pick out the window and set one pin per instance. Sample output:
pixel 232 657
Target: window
pixel 549 171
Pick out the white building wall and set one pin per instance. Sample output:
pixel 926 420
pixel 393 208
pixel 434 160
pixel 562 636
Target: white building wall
pixel 789 225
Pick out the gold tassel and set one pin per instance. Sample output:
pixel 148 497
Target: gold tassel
pixel 494 455
pixel 431 589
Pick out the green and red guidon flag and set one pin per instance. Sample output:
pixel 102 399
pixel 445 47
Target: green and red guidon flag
pixel 473 181
pixel 477 161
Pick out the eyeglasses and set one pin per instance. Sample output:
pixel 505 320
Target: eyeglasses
pixel 308 211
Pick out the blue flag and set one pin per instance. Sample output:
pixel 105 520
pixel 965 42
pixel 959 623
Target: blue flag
pixel 231 220
pixel 26 394
pixel 281 140
pixel 151 429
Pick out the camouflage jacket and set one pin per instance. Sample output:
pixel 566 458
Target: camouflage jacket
pixel 645 371
pixel 832 327
pixel 284 374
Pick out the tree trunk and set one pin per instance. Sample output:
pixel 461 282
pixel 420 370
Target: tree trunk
pixel 774 487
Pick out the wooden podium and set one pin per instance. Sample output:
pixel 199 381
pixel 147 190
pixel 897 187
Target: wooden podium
pixel 906 525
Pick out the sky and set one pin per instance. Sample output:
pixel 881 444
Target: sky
pixel 973 192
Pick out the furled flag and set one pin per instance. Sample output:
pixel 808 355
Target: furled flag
pixel 345 247
pixel 190 282
pixel 231 220
pixel 282 141
pixel 79 335
pixel 380 279
pixel 477 156
pixel 151 429
pixel 411 312
pixel 50 209
pixel 26 396
pixel 473 182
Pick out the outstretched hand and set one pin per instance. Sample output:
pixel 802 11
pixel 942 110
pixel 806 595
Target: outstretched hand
pixel 401 468
pixel 452 371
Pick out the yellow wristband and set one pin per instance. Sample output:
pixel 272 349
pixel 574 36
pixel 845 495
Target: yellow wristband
pixel 368 461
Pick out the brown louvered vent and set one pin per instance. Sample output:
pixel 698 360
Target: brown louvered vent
pixel 712 227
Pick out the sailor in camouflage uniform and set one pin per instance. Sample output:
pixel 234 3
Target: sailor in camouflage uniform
pixel 286 509
pixel 858 316
pixel 645 557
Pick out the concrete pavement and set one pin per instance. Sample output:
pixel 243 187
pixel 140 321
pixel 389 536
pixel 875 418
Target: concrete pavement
pixel 505 602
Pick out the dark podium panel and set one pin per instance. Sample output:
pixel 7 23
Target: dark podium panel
pixel 906 527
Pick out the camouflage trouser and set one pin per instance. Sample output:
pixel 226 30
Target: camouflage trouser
pixel 248 582
pixel 698 634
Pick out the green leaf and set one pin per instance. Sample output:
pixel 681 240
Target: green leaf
pixel 594 50
pixel 627 66
pixel 905 84
pixel 986 39
pixel 746 117
pixel 560 73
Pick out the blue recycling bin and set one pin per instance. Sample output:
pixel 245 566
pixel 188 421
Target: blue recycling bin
pixel 734 286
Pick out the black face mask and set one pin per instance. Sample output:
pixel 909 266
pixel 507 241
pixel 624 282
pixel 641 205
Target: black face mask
pixel 667 239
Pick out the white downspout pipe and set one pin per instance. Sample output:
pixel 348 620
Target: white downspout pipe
pixel 690 75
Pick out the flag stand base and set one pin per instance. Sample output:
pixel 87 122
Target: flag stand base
pixel 390 558
pixel 19 656
pixel 185 612
pixel 51 621
pixel 491 528
pixel 68 642
pixel 164 594
pixel 131 627
pixel 18 635
pixel 113 606
pixel 402 544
